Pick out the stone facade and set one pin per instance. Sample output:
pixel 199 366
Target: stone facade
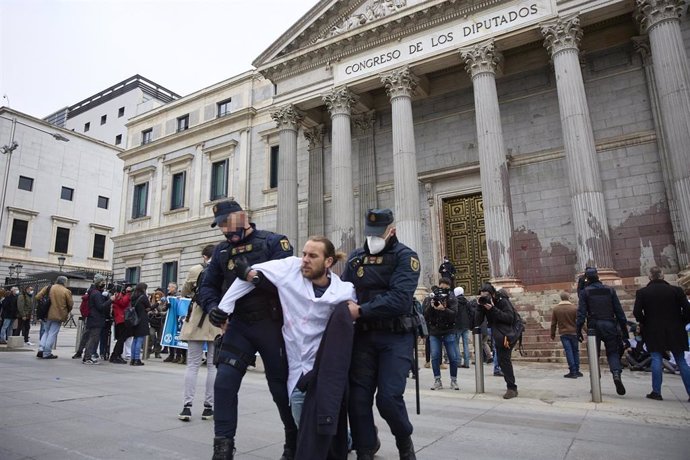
pixel 575 158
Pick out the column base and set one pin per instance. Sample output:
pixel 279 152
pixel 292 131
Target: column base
pixel 512 285
pixel 684 278
pixel 421 293
pixel 609 276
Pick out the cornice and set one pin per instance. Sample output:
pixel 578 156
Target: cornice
pixel 390 28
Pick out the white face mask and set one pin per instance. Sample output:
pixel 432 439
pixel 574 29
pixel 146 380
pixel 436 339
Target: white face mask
pixel 375 244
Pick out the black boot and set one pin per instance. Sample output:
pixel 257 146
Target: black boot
pixel 288 453
pixel 223 448
pixel 365 455
pixel 290 445
pixel 620 389
pixel 405 448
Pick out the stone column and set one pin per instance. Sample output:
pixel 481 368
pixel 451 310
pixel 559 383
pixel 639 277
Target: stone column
pixel 482 61
pixel 562 38
pixel 368 196
pixel 314 138
pixel 288 119
pixel 661 20
pixel 400 85
pixel 339 103
pixel 641 45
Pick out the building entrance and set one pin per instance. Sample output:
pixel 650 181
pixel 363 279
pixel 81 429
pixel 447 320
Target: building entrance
pixel 465 238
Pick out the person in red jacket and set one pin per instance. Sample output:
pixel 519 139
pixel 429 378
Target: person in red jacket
pixel 120 302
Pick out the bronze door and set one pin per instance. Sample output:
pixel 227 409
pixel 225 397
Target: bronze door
pixel 465 238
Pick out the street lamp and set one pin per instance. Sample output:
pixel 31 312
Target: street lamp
pixel 11 147
pixel 61 262
pixel 11 267
pixel 18 268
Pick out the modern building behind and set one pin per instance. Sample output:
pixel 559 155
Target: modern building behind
pixel 524 139
pixel 103 116
pixel 62 193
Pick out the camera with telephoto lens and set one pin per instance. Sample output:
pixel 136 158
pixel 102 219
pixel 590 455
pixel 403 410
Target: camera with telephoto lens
pixel 439 296
pixel 483 300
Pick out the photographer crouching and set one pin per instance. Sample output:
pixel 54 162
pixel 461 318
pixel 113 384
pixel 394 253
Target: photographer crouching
pixel 440 310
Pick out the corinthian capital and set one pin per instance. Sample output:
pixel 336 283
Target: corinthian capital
pixel 339 101
pixel 562 34
pixel 649 13
pixel 482 58
pixel 314 136
pixel 642 46
pixel 400 82
pixel 287 117
pixel 364 122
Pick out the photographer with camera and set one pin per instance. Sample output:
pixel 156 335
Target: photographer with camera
pixel 440 311
pixel 497 309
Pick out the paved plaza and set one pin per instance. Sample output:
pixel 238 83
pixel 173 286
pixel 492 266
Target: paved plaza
pixel 61 409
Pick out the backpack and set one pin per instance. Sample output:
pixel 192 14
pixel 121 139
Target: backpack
pixel 514 336
pixel 43 305
pixel 84 309
pixel 131 317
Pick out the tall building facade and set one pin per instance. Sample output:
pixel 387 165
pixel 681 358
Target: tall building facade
pixel 525 139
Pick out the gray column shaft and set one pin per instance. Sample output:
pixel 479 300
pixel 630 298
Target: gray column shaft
pixel 673 85
pixel 587 197
pixel 494 176
pixel 287 184
pixel 368 196
pixel 406 184
pixel 343 230
pixel 315 206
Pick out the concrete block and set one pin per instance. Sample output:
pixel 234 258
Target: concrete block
pixel 15 342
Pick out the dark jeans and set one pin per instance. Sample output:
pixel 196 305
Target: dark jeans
pixel 93 336
pixel 381 361
pixel 155 339
pixel 23 327
pixel 122 333
pixel 572 352
pixel 607 332
pixel 506 363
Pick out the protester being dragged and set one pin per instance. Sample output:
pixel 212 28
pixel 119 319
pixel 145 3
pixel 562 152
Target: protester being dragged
pixel 121 301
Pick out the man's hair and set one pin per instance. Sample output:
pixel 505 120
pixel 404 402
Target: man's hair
pixel 565 295
pixel 445 281
pixel 655 273
pixel 329 248
pixel 61 280
pixel 208 250
pixel 140 288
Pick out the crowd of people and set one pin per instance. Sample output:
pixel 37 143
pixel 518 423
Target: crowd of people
pixel 331 345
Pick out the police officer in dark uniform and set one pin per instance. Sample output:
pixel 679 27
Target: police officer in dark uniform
pixel 600 305
pixel 385 273
pixel 254 326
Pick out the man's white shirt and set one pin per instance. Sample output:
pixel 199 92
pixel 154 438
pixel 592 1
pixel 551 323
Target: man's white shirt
pixel 304 315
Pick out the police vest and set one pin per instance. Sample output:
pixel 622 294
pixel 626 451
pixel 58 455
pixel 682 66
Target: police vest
pixel 599 303
pixel 257 304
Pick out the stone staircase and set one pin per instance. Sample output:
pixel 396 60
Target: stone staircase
pixel 535 309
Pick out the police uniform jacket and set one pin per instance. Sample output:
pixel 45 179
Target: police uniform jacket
pixel 598 302
pixel 659 309
pixel 384 282
pixel 259 246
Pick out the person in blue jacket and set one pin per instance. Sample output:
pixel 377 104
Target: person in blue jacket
pixel 255 325
pixel 385 274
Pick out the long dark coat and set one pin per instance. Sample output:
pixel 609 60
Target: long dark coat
pixel 323 425
pixel 141 305
pixel 658 308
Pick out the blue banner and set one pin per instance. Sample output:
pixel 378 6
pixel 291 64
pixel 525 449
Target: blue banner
pixel 177 311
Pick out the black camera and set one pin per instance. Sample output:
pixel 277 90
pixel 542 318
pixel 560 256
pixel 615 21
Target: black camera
pixel 483 300
pixel 439 296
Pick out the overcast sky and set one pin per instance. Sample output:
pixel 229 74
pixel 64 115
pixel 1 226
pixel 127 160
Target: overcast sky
pixel 54 53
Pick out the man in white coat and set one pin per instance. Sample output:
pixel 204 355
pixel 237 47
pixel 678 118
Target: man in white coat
pixel 309 293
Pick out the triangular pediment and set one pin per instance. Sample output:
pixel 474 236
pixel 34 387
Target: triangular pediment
pixel 329 19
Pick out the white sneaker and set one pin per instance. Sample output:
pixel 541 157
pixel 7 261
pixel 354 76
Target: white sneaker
pixel 28 344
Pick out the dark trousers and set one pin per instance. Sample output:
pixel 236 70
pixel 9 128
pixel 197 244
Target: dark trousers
pixel 93 336
pixel 381 361
pixel 104 341
pixel 23 326
pixel 122 333
pixel 607 332
pixel 84 338
pixel 240 343
pixel 155 339
pixel 506 363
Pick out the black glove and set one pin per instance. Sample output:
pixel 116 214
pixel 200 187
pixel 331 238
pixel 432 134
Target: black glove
pixel 580 337
pixel 242 268
pixel 217 317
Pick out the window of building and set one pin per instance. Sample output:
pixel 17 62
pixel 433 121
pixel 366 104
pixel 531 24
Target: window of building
pixel 99 246
pixel 67 193
pixel 120 112
pixel 62 240
pixel 103 202
pixel 146 136
pixel 118 139
pixel 26 183
pixel 219 180
pixel 273 179
pixel 87 126
pixel 224 108
pixel 182 123
pixel 104 118
pixel 132 275
pixel 169 274
pixel 177 197
pixel 141 196
pixel 20 228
